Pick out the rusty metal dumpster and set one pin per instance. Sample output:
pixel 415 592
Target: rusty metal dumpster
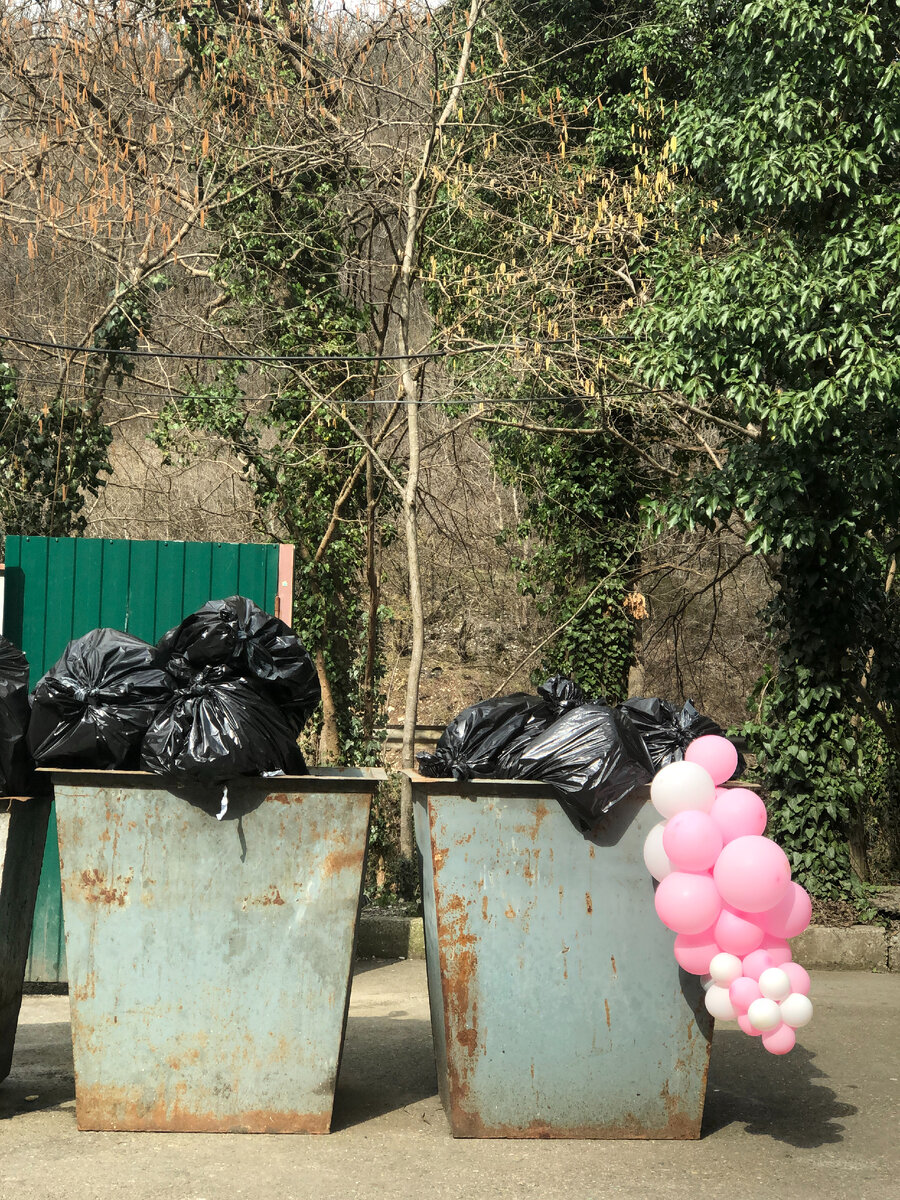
pixel 557 1007
pixel 209 961
pixel 23 831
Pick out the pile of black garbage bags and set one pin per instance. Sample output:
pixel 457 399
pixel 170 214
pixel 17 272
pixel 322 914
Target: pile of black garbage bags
pixel 591 754
pixel 223 694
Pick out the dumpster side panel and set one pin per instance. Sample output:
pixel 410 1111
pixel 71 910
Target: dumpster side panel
pixel 432 949
pixel 23 831
pixel 565 1013
pixel 209 961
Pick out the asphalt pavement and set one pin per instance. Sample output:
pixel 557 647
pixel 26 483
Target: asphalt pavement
pixel 821 1123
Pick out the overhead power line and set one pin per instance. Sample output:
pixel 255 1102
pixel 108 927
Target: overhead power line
pixel 287 359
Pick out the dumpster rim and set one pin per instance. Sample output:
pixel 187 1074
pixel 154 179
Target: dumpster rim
pixel 320 779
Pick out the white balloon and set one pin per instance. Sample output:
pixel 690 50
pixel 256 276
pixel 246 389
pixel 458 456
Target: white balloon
pixel 725 969
pixel 681 786
pixel 796 1010
pixel 718 1004
pixel 655 858
pixel 775 984
pixel 764 1015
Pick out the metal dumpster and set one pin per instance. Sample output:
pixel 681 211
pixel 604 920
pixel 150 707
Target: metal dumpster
pixel 557 1007
pixel 23 831
pixel 209 961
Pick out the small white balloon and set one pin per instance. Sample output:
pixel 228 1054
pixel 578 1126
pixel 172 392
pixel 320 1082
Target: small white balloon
pixel 764 1015
pixel 681 786
pixel 655 858
pixel 718 1004
pixel 725 969
pixel 796 1010
pixel 775 984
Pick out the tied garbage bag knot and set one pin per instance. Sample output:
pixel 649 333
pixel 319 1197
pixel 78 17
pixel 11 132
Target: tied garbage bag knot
pixel 235 634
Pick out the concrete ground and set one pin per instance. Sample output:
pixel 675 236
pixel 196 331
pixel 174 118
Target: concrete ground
pixel 819 1124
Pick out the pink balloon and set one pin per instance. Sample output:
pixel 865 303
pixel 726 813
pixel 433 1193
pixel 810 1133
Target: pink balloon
pixel 692 841
pixel 695 951
pixel 777 949
pixel 743 992
pixel 737 933
pixel 744 1023
pixel 752 874
pixel 780 1040
pixel 800 981
pixel 755 963
pixel 687 903
pixel 738 812
pixel 715 754
pixel 791 914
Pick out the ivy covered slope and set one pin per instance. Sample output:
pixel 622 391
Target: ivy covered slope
pixel 776 307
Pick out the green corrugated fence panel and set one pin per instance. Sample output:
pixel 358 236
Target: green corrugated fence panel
pixel 60 588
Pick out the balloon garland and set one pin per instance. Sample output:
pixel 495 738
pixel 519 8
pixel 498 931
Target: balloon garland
pixel 725 890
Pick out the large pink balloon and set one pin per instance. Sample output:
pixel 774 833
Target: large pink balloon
pixel 777 949
pixel 737 933
pixel 744 1022
pixel 757 962
pixel 692 841
pixel 798 976
pixel 752 874
pixel 743 992
pixel 715 754
pixel 791 914
pixel 695 951
pixel 687 903
pixel 738 812
pixel 779 1041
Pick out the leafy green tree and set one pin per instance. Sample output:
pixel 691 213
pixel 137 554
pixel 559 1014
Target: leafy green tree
pixel 774 312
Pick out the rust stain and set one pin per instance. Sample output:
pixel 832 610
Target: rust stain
pixel 510 912
pixel 612 960
pixel 97 890
pixel 484 907
pixel 340 860
pixel 588 903
pixel 592 852
pixel 106 1107
pixel 608 1021
pixel 680 1127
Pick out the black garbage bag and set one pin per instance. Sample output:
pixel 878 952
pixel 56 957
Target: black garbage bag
pixel 14 713
pixel 665 730
pixel 94 706
pixel 475 739
pixel 237 633
pixel 488 738
pixel 216 726
pixel 592 757
pixel 559 695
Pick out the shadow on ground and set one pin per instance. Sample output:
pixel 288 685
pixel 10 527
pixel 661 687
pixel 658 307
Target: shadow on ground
pixel 43 1076
pixel 774 1096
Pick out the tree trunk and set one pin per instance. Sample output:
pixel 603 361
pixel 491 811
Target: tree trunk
pixel 329 739
pixel 372 582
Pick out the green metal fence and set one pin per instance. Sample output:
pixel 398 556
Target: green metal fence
pixel 60 588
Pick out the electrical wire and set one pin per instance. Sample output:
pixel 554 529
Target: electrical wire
pixel 287 359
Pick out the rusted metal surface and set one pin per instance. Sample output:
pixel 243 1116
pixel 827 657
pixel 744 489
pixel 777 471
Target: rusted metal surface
pixel 558 1009
pixel 23 831
pixel 209 961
